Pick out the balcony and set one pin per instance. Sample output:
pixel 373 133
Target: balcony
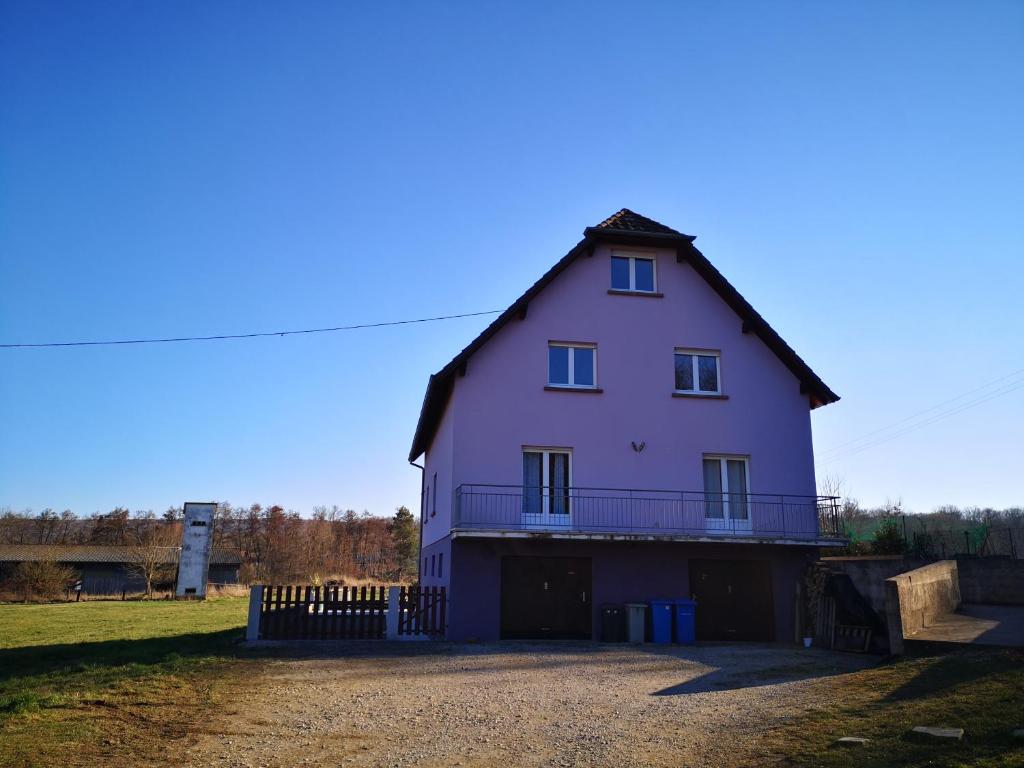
pixel 637 513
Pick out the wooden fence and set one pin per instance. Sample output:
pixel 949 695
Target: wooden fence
pixel 348 613
pixel 422 611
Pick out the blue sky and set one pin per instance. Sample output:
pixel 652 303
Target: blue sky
pixel 192 168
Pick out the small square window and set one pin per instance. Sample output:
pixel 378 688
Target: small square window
pixel 633 273
pixel 697 372
pixel 571 365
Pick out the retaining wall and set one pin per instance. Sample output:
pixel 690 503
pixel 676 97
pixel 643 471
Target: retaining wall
pixel 993 580
pixel 918 597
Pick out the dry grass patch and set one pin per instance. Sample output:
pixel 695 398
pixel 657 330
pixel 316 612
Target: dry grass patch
pixel 979 691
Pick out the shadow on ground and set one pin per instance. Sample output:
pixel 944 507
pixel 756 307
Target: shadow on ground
pixel 78 657
pixel 955 669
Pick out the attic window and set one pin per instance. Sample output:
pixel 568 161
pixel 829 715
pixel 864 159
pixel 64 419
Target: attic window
pixel 633 273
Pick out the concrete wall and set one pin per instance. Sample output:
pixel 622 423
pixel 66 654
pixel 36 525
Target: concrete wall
pixel 993 580
pixel 915 599
pixel 868 574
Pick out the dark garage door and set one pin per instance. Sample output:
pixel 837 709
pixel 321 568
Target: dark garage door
pixel 734 599
pixel 545 597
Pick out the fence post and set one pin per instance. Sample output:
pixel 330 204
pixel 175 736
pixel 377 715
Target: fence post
pixel 252 629
pixel 394 606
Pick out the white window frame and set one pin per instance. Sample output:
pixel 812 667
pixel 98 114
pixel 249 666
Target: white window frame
pixel 572 345
pixel 633 256
pixel 546 518
pixel 727 523
pixel 695 363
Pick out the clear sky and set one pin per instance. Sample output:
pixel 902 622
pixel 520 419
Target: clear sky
pixel 855 169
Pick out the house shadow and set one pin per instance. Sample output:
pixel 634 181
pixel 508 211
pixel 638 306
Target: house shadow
pixel 95 657
pixel 728 675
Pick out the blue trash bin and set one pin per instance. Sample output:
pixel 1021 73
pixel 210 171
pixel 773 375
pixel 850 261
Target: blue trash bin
pixel 661 621
pixel 686 621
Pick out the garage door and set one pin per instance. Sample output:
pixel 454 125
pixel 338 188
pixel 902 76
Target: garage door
pixel 545 597
pixel 734 599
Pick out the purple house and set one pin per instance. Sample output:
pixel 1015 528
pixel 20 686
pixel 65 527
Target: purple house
pixel 629 429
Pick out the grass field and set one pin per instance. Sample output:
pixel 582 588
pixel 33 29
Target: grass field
pixel 120 684
pixel 106 683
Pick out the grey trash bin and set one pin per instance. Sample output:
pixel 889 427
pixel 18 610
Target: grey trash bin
pixel 637 617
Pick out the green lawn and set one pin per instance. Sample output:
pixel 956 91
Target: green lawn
pixel 979 691
pixel 91 683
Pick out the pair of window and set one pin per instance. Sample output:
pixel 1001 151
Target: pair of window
pixel 546 482
pixel 697 372
pixel 547 486
pixel 635 274
pixel 440 565
pixel 575 366
pixel 426 500
pixel 572 365
pixel 726 485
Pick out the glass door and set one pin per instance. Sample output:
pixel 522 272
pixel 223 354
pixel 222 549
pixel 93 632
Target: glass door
pixel 726 494
pixel 547 484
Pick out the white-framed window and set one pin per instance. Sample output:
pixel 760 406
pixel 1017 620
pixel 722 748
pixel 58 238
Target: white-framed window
pixel 634 272
pixel 698 372
pixel 727 491
pixel 572 365
pixel 547 483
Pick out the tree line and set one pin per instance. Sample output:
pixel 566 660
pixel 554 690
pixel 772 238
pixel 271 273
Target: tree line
pixel 275 545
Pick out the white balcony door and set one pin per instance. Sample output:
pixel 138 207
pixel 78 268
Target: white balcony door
pixel 547 480
pixel 726 493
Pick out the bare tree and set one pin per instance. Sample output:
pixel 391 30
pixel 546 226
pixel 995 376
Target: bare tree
pixel 155 553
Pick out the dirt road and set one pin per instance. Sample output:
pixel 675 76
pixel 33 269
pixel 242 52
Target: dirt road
pixel 519 705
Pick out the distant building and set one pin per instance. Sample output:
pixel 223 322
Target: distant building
pixel 104 570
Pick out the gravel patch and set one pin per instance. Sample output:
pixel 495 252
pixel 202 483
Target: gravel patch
pixel 519 704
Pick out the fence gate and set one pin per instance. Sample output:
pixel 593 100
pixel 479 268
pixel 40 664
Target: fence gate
pixel 346 613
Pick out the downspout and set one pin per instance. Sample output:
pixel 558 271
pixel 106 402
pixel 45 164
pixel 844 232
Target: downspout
pixel 419 554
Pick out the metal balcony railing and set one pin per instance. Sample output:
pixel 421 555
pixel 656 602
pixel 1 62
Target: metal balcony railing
pixel 642 511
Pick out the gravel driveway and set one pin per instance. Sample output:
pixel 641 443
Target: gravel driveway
pixel 520 704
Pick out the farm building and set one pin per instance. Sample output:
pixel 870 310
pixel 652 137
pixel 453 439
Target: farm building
pixel 107 570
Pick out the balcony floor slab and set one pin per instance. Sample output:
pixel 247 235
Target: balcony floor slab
pixel 720 538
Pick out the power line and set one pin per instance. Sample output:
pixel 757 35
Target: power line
pixel 1004 390
pixel 839 448
pixel 228 336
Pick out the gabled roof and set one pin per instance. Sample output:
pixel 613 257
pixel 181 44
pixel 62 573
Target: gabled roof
pixel 622 228
pixel 88 553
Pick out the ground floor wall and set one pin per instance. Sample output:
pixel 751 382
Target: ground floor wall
pixel 620 572
pixel 436 563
